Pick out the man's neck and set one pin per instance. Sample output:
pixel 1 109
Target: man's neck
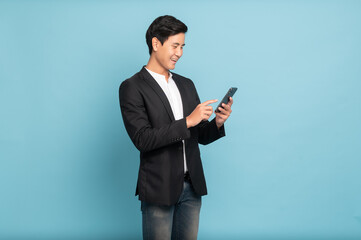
pixel 155 67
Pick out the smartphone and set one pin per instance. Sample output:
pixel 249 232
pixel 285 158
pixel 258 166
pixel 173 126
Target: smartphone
pixel 225 100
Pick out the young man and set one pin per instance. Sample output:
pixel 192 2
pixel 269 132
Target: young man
pixel 165 120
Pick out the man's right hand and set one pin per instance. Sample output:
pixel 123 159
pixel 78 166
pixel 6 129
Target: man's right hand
pixel 201 113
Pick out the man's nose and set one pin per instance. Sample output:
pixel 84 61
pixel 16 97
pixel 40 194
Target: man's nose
pixel 179 52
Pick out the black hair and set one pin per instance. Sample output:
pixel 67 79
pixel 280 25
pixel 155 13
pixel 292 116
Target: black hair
pixel 162 28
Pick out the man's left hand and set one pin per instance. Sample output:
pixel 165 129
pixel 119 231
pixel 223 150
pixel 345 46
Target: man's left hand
pixel 224 113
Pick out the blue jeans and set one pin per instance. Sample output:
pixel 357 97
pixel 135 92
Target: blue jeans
pixel 176 222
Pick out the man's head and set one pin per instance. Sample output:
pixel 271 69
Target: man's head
pixel 165 39
pixel 162 28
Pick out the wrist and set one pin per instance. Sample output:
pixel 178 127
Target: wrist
pixel 188 122
pixel 219 124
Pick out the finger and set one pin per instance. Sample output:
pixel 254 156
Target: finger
pixel 208 111
pixel 205 116
pixel 224 111
pixel 208 108
pixel 230 102
pixel 221 116
pixel 227 107
pixel 209 102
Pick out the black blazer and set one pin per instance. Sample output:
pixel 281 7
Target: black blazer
pixel 150 123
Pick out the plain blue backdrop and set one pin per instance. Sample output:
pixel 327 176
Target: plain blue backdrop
pixel 289 167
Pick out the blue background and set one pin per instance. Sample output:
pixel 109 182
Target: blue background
pixel 289 167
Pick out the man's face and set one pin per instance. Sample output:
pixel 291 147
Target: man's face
pixel 170 52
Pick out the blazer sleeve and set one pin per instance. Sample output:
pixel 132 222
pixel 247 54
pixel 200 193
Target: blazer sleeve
pixel 209 132
pixel 143 135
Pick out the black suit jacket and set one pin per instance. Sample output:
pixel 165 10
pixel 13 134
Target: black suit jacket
pixel 150 123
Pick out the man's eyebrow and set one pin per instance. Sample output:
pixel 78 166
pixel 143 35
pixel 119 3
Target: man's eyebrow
pixel 179 44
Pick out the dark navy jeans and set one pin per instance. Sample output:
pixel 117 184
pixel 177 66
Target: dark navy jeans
pixel 176 222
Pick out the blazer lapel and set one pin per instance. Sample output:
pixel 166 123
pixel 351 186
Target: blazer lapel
pixel 155 86
pixel 182 92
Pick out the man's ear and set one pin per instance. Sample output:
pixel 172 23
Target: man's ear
pixel 155 44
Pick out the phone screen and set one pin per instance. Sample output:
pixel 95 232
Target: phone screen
pixel 225 99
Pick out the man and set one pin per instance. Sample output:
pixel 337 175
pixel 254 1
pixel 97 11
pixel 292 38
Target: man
pixel 165 120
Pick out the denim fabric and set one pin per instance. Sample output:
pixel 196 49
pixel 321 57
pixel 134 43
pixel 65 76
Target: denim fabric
pixel 176 222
